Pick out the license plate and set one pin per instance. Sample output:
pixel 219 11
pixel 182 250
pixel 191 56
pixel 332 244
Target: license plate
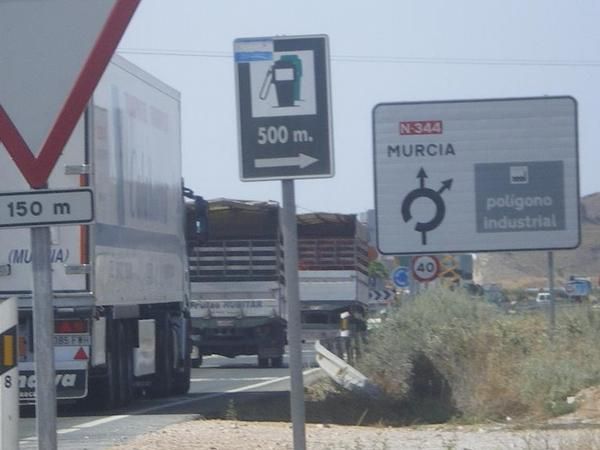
pixel 61 340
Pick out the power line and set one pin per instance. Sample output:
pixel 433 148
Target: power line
pixel 382 59
pixel 190 53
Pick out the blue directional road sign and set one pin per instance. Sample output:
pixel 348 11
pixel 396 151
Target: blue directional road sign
pixel 400 276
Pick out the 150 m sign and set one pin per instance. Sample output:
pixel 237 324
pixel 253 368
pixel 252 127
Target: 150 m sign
pixel 41 208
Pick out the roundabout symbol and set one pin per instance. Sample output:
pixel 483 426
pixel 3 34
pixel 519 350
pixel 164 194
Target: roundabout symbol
pixel 434 196
pixel 400 276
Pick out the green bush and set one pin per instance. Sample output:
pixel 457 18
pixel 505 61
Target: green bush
pixel 469 358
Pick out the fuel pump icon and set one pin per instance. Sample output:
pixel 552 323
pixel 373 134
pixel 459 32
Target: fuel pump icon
pixel 286 75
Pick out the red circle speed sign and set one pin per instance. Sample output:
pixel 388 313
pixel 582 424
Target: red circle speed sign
pixel 425 268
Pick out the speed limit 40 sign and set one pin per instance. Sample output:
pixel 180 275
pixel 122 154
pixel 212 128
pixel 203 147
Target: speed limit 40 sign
pixel 425 268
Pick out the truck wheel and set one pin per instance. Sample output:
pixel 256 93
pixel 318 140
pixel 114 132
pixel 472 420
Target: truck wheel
pixel 104 391
pixel 263 362
pixel 162 383
pixel 277 361
pixel 197 362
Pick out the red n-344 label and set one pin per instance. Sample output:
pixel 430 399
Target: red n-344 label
pixel 421 127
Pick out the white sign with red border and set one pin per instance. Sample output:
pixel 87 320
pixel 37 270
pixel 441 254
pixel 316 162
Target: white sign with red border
pixel 425 268
pixel 53 54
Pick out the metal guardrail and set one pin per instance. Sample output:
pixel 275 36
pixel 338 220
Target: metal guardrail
pixel 338 366
pixel 347 348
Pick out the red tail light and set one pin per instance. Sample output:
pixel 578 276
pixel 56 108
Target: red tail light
pixel 70 326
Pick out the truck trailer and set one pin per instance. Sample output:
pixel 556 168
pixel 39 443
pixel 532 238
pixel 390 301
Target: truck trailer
pixel 121 287
pixel 333 274
pixel 237 282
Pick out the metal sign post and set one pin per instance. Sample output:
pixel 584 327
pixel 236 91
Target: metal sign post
pixel 43 320
pixel 9 376
pixel 552 312
pixel 285 132
pixel 42 207
pixel 289 227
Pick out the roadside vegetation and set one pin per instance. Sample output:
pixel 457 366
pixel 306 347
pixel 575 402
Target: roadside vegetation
pixel 447 355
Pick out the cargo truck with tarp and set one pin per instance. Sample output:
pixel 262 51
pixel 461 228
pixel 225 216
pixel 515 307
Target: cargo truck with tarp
pixel 237 282
pixel 333 274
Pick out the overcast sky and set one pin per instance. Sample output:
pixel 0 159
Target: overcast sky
pixel 381 51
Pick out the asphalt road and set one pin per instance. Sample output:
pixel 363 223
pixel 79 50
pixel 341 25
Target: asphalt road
pixel 213 386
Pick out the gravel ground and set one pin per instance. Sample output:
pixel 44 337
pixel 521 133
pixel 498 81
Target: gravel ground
pixel 577 431
pixel 231 435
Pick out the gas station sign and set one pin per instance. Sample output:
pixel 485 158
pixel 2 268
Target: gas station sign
pixel 284 112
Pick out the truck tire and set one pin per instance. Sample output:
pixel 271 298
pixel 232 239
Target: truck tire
pixel 277 361
pixel 263 362
pixel 162 383
pixel 103 393
pixel 197 362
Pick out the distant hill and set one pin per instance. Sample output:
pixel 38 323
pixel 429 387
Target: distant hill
pixel 530 269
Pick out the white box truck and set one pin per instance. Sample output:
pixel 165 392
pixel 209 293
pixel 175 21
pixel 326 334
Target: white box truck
pixel 120 285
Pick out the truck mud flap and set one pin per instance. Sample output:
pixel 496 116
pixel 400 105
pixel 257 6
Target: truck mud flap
pixel 70 384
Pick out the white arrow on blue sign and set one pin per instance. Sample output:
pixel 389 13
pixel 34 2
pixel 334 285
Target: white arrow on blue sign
pixel 400 276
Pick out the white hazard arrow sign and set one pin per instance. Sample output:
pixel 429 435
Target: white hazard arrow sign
pixel 52 55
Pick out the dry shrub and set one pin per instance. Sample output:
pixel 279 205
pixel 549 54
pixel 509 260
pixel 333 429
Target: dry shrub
pixel 565 364
pixel 491 365
pixel 440 327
